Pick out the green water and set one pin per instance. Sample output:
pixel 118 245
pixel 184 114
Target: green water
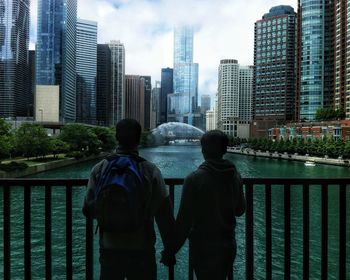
pixel 178 161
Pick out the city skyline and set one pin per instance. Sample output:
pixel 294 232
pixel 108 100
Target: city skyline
pixel 213 23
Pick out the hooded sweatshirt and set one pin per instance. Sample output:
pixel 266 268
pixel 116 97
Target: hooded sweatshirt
pixel 211 199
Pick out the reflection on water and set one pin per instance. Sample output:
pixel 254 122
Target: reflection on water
pixel 178 161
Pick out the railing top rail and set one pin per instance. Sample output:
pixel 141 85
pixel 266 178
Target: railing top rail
pixel 176 181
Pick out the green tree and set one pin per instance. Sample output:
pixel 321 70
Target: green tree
pixel 106 136
pixel 57 146
pixel 6 140
pixel 80 138
pixel 32 140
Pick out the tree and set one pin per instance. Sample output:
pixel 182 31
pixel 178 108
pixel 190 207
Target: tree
pixel 32 140
pixel 80 138
pixel 106 136
pixel 57 146
pixel 6 139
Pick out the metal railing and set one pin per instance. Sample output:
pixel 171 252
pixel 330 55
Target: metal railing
pixel 287 184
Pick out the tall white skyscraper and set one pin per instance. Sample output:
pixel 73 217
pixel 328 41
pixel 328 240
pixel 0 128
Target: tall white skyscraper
pixel 183 102
pixel 118 81
pixel 234 97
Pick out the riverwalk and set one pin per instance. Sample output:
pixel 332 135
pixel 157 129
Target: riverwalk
pixel 286 156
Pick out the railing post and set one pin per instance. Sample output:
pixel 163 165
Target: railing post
pixel 324 233
pixel 48 233
pixel 7 232
pixel 268 229
pixel 69 237
pixel 342 231
pixel 287 237
pixel 172 199
pixel 249 235
pixel 27 232
pixel 306 229
pixel 89 255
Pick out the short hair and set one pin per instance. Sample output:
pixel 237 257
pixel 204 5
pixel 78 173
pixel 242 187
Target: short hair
pixel 214 144
pixel 128 133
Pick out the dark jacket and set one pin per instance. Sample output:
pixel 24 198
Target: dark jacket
pixel 211 199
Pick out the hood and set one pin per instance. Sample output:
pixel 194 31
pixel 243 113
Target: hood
pixel 220 167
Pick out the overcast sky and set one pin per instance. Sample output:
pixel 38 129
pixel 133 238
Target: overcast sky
pixel 223 29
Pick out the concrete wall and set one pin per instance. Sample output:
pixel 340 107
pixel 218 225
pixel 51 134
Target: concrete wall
pixel 47 103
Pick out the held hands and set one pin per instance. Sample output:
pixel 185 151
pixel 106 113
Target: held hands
pixel 168 259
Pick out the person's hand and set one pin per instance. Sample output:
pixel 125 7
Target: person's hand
pixel 168 258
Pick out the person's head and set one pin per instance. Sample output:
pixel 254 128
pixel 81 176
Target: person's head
pixel 214 144
pixel 128 133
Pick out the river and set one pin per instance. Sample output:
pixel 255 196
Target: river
pixel 178 161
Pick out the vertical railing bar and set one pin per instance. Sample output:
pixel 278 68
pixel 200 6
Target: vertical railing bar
pixel 306 231
pixel 324 233
pixel 69 237
pixel 249 236
pixel 27 232
pixel 89 249
pixel 287 233
pixel 230 274
pixel 7 232
pixel 190 261
pixel 48 232
pixel 342 231
pixel 172 199
pixel 268 228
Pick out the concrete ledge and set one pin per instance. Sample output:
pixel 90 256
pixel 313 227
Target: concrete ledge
pixel 48 166
pixel 275 155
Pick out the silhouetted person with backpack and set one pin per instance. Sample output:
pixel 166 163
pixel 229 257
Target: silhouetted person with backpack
pixel 211 199
pixel 125 193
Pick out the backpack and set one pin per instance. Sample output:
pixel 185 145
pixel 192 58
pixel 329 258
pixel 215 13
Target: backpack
pixel 122 195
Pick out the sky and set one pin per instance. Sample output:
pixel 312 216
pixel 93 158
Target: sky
pixel 223 29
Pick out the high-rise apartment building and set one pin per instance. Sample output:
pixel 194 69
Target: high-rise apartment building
pixel 245 92
pixel 229 98
pixel 31 84
pixel 183 102
pixel 155 105
pixel 135 98
pixel 86 68
pixel 274 61
pixel 148 92
pixel 56 52
pixel 104 86
pixel 14 42
pixel 118 80
pixel 166 89
pixel 315 58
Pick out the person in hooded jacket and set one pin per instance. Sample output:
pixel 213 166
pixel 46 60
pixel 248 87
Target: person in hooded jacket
pixel 212 198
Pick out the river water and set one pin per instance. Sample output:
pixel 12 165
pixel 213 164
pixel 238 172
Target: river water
pixel 178 161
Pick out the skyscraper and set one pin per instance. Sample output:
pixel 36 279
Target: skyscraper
pixel 155 105
pixel 56 52
pixel 166 88
pixel 315 68
pixel 86 67
pixel 14 42
pixel 274 61
pixel 104 86
pixel 205 103
pixel 245 92
pixel 148 92
pixel 184 100
pixel 135 98
pixel 118 81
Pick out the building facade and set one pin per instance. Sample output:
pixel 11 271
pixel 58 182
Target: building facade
pixel 205 103
pixel 56 52
pixel 118 81
pixel 14 43
pixel 210 120
pixel 274 66
pixel 104 86
pixel 166 89
pixel 245 92
pixel 155 105
pixel 86 67
pixel 315 84
pixel 183 102
pixel 135 98
pixel 148 92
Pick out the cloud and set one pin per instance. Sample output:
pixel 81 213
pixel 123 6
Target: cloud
pixel 223 29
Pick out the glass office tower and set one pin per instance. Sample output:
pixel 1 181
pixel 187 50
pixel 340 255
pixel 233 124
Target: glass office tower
pixel 56 55
pixel 86 71
pixel 183 102
pixel 14 42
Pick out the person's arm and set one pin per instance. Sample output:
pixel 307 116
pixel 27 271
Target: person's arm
pixel 241 203
pixel 184 217
pixel 89 201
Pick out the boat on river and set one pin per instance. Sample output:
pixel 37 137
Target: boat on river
pixel 309 163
